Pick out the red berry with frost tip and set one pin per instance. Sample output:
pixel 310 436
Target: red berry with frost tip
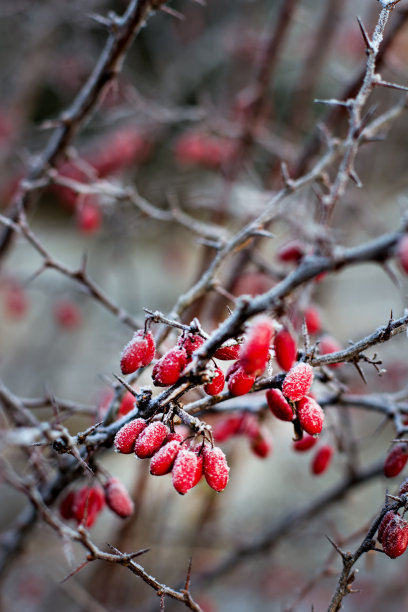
pixel 261 444
pixel 402 253
pixel 312 318
pixel 322 459
pixel 66 507
pixel 285 349
pixel 310 415
pixel 127 404
pixel 184 472
pixel 328 345
pixel 88 503
pixel 395 537
pixel 150 440
pixel 278 405
pixel 239 382
pixel 254 352
pixel 118 499
pixel 292 251
pixel 228 353
pixel 162 461
pixel 168 369
pixel 127 435
pixel 216 470
pixel 384 524
pixel 216 385
pixel 396 460
pixel 138 353
pixel 190 342
pixel 298 381
pixel 306 443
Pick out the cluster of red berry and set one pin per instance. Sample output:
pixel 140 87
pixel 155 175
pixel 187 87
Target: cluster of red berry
pixel 393 530
pixel 169 452
pixel 87 503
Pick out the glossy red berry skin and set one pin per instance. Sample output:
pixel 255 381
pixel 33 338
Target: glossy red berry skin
pixel 216 470
pixel 216 385
pixel 168 369
pixel 322 459
pixel 298 381
pixel 285 349
pixel 228 353
pixel 190 343
pixel 67 506
pixel 118 499
pixel 127 435
pixel 239 382
pixel 162 461
pixel 328 345
pixel 402 253
pixel 278 405
pixel 396 460
pixel 150 440
pixel 306 443
pixel 395 537
pixel 254 352
pixel 310 415
pixel 384 524
pixel 184 472
pixel 312 319
pixel 88 503
pixel 292 251
pixel 138 353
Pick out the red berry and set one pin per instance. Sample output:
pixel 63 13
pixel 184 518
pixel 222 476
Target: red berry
pixel 162 461
pixel 292 251
pixel 174 435
pixel 67 314
pixel 312 319
pixel 216 385
pixel 127 435
pixel 384 523
pixel 190 342
pixel 88 502
pixel 151 439
pixel 200 465
pixel 328 345
pixel 89 217
pixel 278 405
pixel 118 499
pixel 127 404
pixel 254 352
pixel 402 253
pixel 310 415
pixel 285 349
pixel 169 367
pixel 395 460
pixel 67 506
pixel 228 353
pixel 239 382
pixel 395 537
pixel 298 381
pixel 224 429
pixel 15 300
pixel 261 444
pixel 322 459
pixel 304 444
pixel 139 352
pixel 184 471
pixel 216 469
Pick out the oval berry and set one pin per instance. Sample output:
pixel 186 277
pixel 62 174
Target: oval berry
pixel 278 405
pixel 312 319
pixel 162 461
pixel 285 349
pixel 167 370
pixel 328 345
pixel 127 404
pixel 254 352
pixel 226 428
pixel 384 523
pixel 292 251
pixel 127 435
pixel 117 498
pixel 215 468
pixel 150 440
pixel 240 382
pixel 138 353
pixel 190 342
pixel 261 444
pixel 322 459
pixel 396 460
pixel 395 537
pixel 228 353
pixel 304 444
pixel 216 385
pixel 310 415
pixel 88 502
pixel 298 381
pixel 66 507
pixel 184 472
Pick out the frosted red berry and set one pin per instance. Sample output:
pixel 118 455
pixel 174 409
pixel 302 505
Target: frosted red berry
pixel 239 382
pixel 278 405
pixel 200 465
pixel 117 498
pixel 127 435
pixel 139 352
pixel 298 381
pixel 384 523
pixel 216 385
pixel 216 470
pixel 174 435
pixel 310 415
pixel 395 537
pixel 168 369
pixel 328 345
pixel 228 353
pixel 402 253
pixel 67 506
pixel 88 503
pixel 184 471
pixel 254 352
pixel 151 439
pixel 285 349
pixel 312 319
pixel 190 342
pixel 322 459
pixel 396 460
pixel 306 443
pixel 162 461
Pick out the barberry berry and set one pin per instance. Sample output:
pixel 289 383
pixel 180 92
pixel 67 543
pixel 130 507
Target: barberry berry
pixel 304 444
pixel 117 498
pixel 190 342
pixel 88 502
pixel 226 428
pixel 278 405
pixel 261 444
pixel 254 352
pixel 127 435
pixel 162 461
pixel 292 251
pixel 228 353
pixel 312 319
pixel 127 404
pixel 150 440
pixel 310 415
pixel 169 367
pixel 285 349
pixel 67 506
pixel 395 537
pixel 216 385
pixel 395 460
pixel 67 314
pixel 139 352
pixel 239 382
pixel 328 345
pixel 184 471
pixel 322 459
pixel 215 468
pixel 298 381
pixel 89 217
pixel 384 523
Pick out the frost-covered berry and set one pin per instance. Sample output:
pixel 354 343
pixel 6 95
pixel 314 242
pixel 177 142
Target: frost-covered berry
pixel 162 461
pixel 117 498
pixel 395 537
pixel 174 435
pixel 402 253
pixel 150 440
pixel 261 444
pixel 66 507
pixel 169 367
pixel 322 459
pixel 184 471
pixel 215 468
pixel 304 444
pixel 200 466
pixel 298 381
pixel 228 353
pixel 285 349
pixel 239 382
pixel 384 523
pixel 312 319
pixel 254 352
pixel 216 385
pixel 310 415
pixel 126 436
pixel 395 460
pixel 328 345
pixel 88 502
pixel 278 405
pixel 190 342
pixel 139 352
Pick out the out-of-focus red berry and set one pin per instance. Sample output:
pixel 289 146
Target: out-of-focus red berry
pixel 328 345
pixel 285 349
pixel 89 216
pixel 118 499
pixel 322 459
pixel 292 252
pixel 312 318
pixel 254 352
pixel 67 314
pixel 15 300
pixel 304 444
pixel 127 404
pixel 396 460
pixel 88 503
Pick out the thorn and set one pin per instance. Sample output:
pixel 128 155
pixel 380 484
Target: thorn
pixel 389 85
pixel 142 551
pixel 172 13
pixel 355 178
pixel 126 385
pixel 336 547
pixel 75 571
pixel 263 233
pixel 188 577
pixel 392 276
pixel 332 102
pixel 364 34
